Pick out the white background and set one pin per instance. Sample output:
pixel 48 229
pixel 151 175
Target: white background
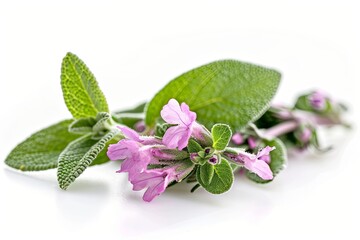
pixel 134 48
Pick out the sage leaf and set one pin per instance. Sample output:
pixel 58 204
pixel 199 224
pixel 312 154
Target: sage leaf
pixel 41 150
pixel 206 173
pixel 221 134
pixel 82 125
pixel 227 91
pixel 78 155
pixel 81 92
pixel 222 179
pixel 193 146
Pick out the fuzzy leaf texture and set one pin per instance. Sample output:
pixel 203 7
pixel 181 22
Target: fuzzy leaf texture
pixel 41 150
pixel 82 94
pixel 277 163
pixel 222 178
pixel 206 173
pixel 221 134
pixel 82 125
pixel 78 155
pixel 226 91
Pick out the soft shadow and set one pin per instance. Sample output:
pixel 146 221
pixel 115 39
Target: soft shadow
pixel 82 202
pixel 41 179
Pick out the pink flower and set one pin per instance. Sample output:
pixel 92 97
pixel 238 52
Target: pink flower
pixel 173 113
pixel 135 155
pixel 317 100
pixel 237 138
pixel 252 142
pixel 305 135
pixel 133 135
pixel 186 126
pixel 255 163
pixel 156 180
pixel 138 152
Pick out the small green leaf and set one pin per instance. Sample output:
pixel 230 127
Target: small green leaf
pixel 130 117
pixel 226 91
pixel 206 173
pixel 278 160
pixel 222 179
pixel 193 146
pixel 82 125
pixel 41 150
pixel 78 155
pixel 82 94
pixel 103 122
pixel 221 134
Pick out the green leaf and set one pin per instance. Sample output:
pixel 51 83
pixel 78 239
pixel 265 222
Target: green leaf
pixel 193 146
pixel 206 173
pixel 41 150
pixel 221 134
pixel 98 125
pixel 78 155
pixel 227 91
pixel 82 125
pixel 278 160
pixel 103 122
pixel 102 157
pixel 82 94
pixel 130 117
pixel 222 179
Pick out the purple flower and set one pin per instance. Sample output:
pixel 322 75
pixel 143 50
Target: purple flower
pixel 138 152
pixel 135 155
pixel 237 138
pixel 186 126
pixel 305 135
pixel 264 154
pixel 255 163
pixel 156 180
pixel 252 142
pixel 133 135
pixel 317 100
pixel 140 126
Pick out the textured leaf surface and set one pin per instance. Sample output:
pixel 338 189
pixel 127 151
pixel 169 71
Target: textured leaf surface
pixel 78 155
pixel 227 91
pixel 82 125
pixel 278 160
pixel 221 180
pixel 206 173
pixel 221 134
pixel 82 94
pixel 41 150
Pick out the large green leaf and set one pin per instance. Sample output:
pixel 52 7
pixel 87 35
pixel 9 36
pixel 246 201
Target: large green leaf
pixel 278 160
pixel 41 150
pixel 78 155
pixel 82 94
pixel 221 179
pixel 227 91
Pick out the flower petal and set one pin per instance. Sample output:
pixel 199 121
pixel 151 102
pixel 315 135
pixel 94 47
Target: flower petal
pixel 129 133
pixel 261 168
pixel 177 136
pixel 265 151
pixel 122 150
pixel 174 114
